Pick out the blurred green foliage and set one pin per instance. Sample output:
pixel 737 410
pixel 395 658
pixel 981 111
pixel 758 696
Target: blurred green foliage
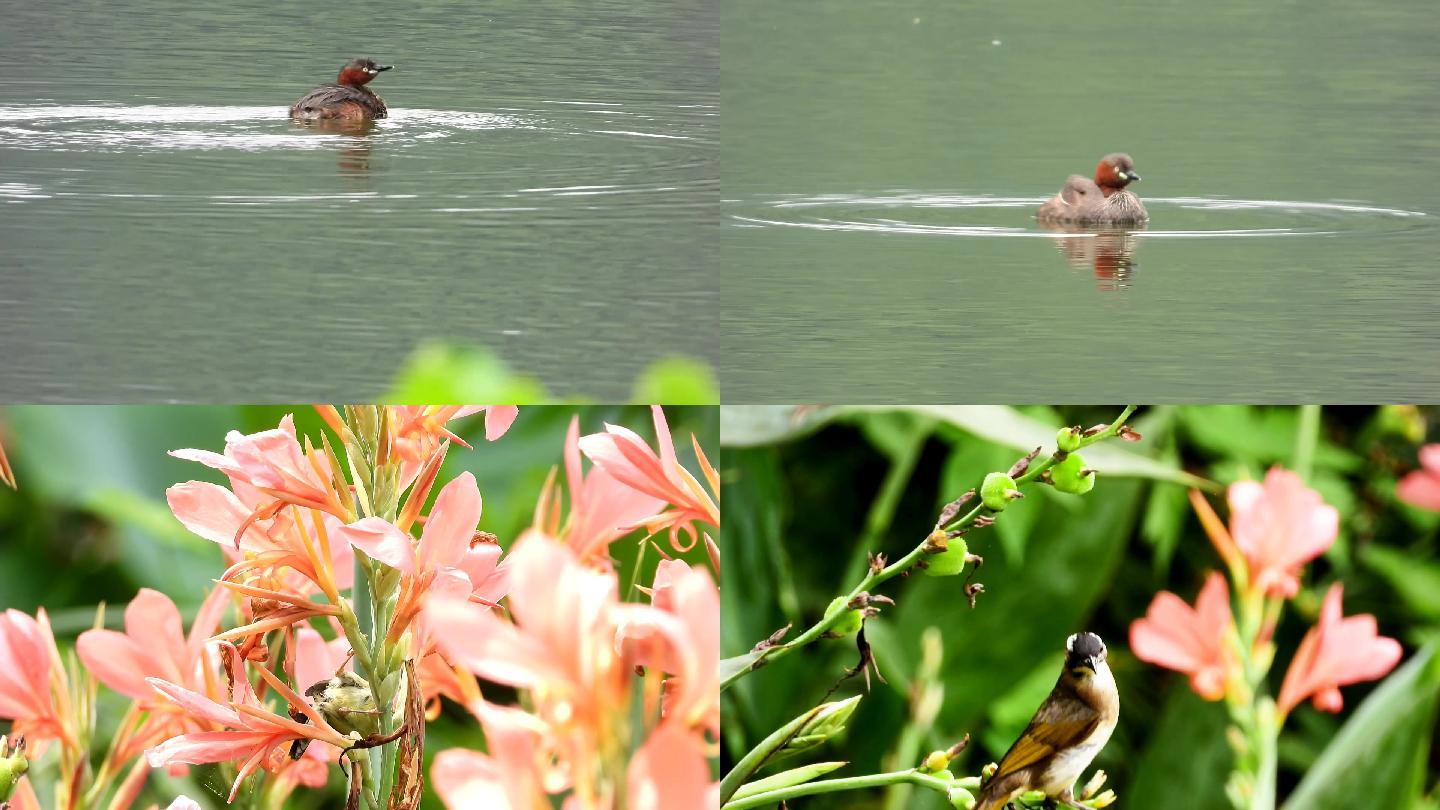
pixel 439 372
pixel 89 521
pixel 811 491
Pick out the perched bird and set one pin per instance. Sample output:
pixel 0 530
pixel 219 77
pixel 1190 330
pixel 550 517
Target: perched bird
pixel 347 704
pixel 1066 733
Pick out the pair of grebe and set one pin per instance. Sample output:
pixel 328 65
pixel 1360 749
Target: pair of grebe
pixel 1102 201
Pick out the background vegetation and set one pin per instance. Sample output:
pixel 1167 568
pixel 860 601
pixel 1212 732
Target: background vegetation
pixel 809 492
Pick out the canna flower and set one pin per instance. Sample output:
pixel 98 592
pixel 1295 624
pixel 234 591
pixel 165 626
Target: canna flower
pixel 1334 653
pixel 602 509
pixel 271 468
pixel 449 556
pixel 1279 526
pixel 511 777
pixel 153 645
pixel 690 651
pixel 622 454
pixel 562 646
pixel 256 736
pixel 1190 640
pixel 419 430
pixel 32 680
pixel 1420 488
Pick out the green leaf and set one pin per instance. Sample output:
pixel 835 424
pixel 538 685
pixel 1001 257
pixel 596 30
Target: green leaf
pixel 1257 435
pixel 1379 757
pixel 677 381
pixel 790 778
pixel 1188 760
pixel 1415 579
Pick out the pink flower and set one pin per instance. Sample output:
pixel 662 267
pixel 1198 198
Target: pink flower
pixel 689 646
pixel 1421 487
pixel 510 777
pixel 1280 526
pixel 258 737
pixel 419 429
pixel 625 456
pixel 1334 653
pixel 562 638
pixel 1192 641
pixel 448 557
pixel 31 679
pixel 602 509
pixel 271 465
pixel 153 645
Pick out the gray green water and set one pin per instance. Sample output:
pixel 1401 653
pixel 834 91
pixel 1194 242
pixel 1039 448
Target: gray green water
pixel 881 160
pixel 546 186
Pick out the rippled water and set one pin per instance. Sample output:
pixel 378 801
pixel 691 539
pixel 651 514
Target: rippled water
pixel 883 160
pixel 543 186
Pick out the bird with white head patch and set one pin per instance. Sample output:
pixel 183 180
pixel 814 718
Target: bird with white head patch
pixel 1066 733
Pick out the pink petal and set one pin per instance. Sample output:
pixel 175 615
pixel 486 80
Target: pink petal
pixel 1420 488
pixel 468 779
pixel 208 746
pixel 670 770
pixel 118 661
pixel 498 419
pixel 381 540
pixel 451 524
pixel 474 638
pixel 1430 457
pixel 214 513
pixel 197 704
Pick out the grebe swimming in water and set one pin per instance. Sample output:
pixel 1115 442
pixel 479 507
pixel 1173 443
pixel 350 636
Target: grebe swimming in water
pixel 1103 201
pixel 347 99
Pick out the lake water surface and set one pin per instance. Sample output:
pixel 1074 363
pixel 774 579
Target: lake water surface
pixel 545 186
pixel 882 161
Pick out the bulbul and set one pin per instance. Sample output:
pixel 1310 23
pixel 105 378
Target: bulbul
pixel 1066 733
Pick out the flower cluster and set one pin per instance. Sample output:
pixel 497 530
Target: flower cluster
pixel 1276 528
pixel 358 596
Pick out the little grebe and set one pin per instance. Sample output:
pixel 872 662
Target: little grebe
pixel 1103 201
pixel 348 99
pixel 1077 201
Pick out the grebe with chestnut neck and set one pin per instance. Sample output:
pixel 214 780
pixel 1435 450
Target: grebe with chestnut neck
pixel 348 99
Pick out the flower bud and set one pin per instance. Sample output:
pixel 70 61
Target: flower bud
pixel 949 562
pixel 998 491
pixel 850 623
pixel 960 798
pixel 1072 476
pixel 828 721
pixel 1068 439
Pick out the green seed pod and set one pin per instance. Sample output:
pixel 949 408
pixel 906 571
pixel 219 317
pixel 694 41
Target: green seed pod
pixel 850 623
pixel 949 562
pixel 936 762
pixel 1066 476
pixel 1068 440
pixel 997 491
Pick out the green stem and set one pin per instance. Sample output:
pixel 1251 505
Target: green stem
pixel 874 578
pixel 887 500
pixel 1306 438
pixel 913 777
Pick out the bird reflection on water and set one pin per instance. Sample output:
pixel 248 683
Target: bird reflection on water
pixel 1108 252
